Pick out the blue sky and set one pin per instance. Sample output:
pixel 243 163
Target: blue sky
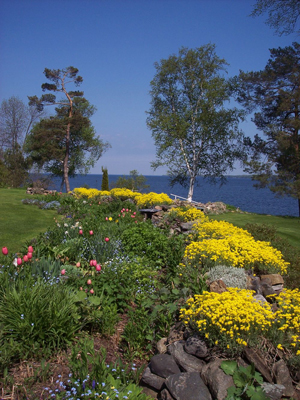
pixel 114 44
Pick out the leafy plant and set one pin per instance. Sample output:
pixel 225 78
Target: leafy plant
pixel 247 382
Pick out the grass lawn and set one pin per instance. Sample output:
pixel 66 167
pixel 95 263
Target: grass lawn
pixel 20 222
pixel 287 227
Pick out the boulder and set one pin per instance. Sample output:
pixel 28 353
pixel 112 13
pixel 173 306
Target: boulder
pixel 163 365
pixel 186 361
pixel 196 347
pixel 218 286
pixel 216 379
pixel 258 361
pixel 187 386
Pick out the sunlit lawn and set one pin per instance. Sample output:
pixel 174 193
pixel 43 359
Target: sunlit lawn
pixel 20 222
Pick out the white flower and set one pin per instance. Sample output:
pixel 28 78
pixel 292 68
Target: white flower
pixel 66 224
pixel 15 262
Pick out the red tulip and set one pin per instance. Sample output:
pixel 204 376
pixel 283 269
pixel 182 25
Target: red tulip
pixel 19 261
pixel 98 267
pixel 80 231
pixel 25 258
pixel 4 251
pixel 30 249
pixel 107 239
pixel 29 255
pixel 63 271
pixel 92 291
pixel 91 232
pixel 89 282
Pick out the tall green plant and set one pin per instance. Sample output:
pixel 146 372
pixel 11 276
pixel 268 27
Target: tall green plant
pixel 104 185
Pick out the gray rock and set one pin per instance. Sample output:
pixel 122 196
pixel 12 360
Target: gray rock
pixel 282 376
pixel 273 392
pixel 196 347
pixel 259 297
pixel 187 386
pixel 166 395
pixel 154 381
pixel 161 345
pixel 216 379
pixel 186 361
pixel 187 226
pixel 163 365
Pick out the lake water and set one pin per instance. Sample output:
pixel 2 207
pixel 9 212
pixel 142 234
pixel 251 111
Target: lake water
pixel 238 191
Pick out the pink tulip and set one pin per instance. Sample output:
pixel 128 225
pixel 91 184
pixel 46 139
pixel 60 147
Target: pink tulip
pixel 91 232
pixel 63 271
pixel 93 263
pixel 4 251
pixel 19 261
pixel 98 267
pixel 126 209
pixel 106 219
pixel 80 231
pixel 107 239
pixel 81 288
pixel 30 249
pixel 89 282
pixel 92 291
pixel 29 255
pixel 78 264
pixel 25 258
pixel 134 213
pixel 132 216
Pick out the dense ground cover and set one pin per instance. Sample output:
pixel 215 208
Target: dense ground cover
pixel 103 272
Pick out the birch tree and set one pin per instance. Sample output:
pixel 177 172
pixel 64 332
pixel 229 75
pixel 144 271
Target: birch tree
pixel 194 130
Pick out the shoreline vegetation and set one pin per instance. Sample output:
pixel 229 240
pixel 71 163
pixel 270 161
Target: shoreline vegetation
pixel 89 288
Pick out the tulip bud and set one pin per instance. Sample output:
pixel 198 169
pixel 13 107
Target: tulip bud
pixel 19 261
pixel 30 249
pixel 89 282
pixel 4 251
pixel 63 271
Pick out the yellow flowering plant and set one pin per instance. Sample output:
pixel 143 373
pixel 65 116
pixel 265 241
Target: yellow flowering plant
pixel 286 329
pixel 219 242
pixel 186 214
pixel 151 199
pixel 231 320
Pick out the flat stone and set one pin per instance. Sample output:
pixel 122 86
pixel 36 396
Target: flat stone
pixel 187 386
pixel 260 297
pixel 255 358
pixel 163 365
pixel 196 347
pixel 273 391
pixel 186 361
pixel 283 377
pixel 274 279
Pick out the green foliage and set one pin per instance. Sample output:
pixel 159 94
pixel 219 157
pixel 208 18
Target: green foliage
pixel 104 184
pixel 188 118
pixel 146 240
pixel 274 162
pixel 135 182
pixel 90 375
pixel 42 317
pixel 73 138
pixel 247 382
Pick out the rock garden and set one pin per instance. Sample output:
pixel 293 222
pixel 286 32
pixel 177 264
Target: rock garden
pixel 110 304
